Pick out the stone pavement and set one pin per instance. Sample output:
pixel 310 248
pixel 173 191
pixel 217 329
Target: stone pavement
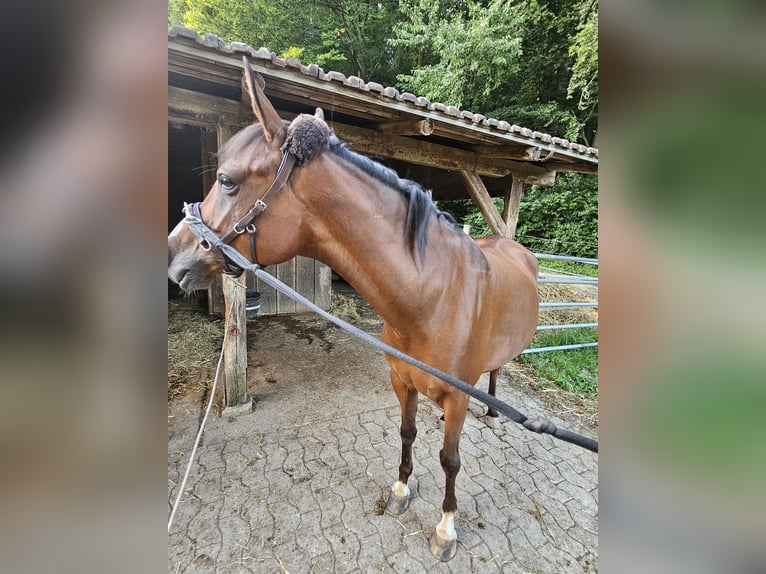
pixel 299 485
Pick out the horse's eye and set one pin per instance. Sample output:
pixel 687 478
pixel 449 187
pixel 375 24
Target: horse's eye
pixel 226 182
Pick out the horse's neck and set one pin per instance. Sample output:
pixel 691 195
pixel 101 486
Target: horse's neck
pixel 358 228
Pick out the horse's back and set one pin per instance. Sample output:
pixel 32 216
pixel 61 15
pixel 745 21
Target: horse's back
pixel 512 297
pixel 507 253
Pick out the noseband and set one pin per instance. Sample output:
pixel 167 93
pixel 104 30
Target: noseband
pixel 210 241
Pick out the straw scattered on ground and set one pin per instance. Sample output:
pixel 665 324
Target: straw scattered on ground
pixel 194 342
pixel 565 293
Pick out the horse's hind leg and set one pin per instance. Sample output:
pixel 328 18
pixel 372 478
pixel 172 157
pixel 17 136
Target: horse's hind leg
pixel 408 399
pixel 444 540
pixel 492 387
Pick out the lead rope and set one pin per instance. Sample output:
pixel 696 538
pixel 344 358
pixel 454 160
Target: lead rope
pixel 199 436
pixel 538 424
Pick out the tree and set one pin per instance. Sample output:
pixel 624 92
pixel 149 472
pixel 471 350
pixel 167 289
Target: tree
pixel 465 52
pixel 584 50
pixel 562 218
pixel 511 59
pixel 344 35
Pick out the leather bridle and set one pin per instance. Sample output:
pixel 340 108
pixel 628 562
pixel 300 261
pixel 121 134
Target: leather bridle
pixel 209 241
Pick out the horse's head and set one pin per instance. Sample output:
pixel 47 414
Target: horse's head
pixel 251 164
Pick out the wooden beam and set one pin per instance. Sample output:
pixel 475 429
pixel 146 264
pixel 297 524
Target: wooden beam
pixel 511 206
pixel 201 109
pixel 524 153
pixel 479 194
pixel 407 128
pixel 436 155
pixel 235 350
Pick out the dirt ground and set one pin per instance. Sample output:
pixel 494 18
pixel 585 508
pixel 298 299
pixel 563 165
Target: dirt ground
pixel 299 484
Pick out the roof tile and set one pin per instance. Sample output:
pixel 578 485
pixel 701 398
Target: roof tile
pixel 311 70
pixel 355 82
pixel 241 48
pixel 333 76
pixel 390 92
pixel 293 63
pixel 211 41
pixel 262 54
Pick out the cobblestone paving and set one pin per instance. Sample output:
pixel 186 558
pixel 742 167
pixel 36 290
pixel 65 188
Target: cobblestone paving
pixel 277 492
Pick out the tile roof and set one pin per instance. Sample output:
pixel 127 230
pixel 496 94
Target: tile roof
pixel 533 138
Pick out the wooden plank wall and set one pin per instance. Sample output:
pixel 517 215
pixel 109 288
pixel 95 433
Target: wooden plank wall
pixel 309 277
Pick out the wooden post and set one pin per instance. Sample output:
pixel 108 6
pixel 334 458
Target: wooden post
pixel 480 195
pixel 511 205
pixel 235 351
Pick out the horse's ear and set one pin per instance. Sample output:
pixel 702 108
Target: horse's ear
pixel 319 114
pixel 273 129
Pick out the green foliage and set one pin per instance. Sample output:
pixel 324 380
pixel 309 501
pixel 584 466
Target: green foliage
pixel 574 370
pixel 510 59
pixel 584 50
pixel 562 218
pixel 559 219
pixel 586 269
pixel 473 53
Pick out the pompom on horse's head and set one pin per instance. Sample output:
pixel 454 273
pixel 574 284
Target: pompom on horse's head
pixel 249 163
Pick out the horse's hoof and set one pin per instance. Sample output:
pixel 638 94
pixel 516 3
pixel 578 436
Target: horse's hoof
pixel 444 550
pixel 397 504
pixel 491 421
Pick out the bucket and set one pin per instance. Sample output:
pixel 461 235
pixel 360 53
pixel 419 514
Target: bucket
pixel 252 304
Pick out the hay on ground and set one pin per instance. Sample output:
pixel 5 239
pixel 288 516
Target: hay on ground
pixel 194 343
pixel 564 293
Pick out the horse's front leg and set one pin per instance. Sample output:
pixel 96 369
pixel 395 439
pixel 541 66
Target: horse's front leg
pixel 408 399
pixel 444 541
pixel 492 388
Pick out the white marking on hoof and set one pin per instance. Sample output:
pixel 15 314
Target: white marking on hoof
pixel 400 489
pixel 491 422
pixel 445 530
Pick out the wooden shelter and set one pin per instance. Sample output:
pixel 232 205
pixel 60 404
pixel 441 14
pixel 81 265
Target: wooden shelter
pixel 455 153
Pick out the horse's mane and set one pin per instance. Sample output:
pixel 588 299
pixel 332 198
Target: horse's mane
pixel 419 204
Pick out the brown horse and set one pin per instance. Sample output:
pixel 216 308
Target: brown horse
pixel 461 305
